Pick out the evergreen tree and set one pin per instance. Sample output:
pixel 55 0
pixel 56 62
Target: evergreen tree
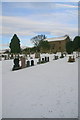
pixel 15 45
pixel 76 43
pixel 69 47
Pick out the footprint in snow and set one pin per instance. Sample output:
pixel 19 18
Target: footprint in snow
pixel 50 111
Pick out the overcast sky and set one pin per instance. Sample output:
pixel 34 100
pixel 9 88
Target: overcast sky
pixel 27 19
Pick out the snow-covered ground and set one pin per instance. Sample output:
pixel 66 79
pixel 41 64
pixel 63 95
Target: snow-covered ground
pixel 0 90
pixel 47 90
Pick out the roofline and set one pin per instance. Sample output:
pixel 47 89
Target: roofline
pixel 57 38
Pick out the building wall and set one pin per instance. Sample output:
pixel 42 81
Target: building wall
pixel 58 46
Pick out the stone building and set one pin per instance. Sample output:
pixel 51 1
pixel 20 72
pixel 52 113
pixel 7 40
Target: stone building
pixel 58 44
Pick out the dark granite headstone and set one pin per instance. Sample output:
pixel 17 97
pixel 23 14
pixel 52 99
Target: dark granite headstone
pixel 55 57
pixel 5 57
pixel 32 62
pixel 11 56
pixel 28 63
pixel 39 61
pixel 71 59
pixel 62 56
pixel 43 60
pixel 31 57
pixel 16 64
pixel 47 59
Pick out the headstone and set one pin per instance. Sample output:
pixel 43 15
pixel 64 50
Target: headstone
pixel 37 55
pixel 39 61
pixel 5 57
pixel 0 58
pixel 71 59
pixel 31 57
pixel 62 56
pixel 55 57
pixel 65 53
pixel 11 56
pixel 32 62
pixel 28 63
pixel 16 64
pixel 43 60
pixel 47 59
pixel 23 65
pixel 8 56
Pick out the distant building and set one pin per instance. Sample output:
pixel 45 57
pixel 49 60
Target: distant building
pixel 58 44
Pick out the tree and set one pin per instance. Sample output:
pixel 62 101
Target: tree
pixel 76 43
pixel 35 40
pixel 44 45
pixel 69 47
pixel 15 45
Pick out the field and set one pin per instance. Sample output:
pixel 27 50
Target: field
pixel 47 90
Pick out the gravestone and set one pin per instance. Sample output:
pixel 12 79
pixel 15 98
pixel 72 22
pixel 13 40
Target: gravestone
pixel 11 56
pixel 5 57
pixel 37 55
pixel 0 58
pixel 16 64
pixel 23 65
pixel 39 61
pixel 71 59
pixel 31 57
pixel 62 56
pixel 55 57
pixel 47 59
pixel 28 63
pixel 32 62
pixel 43 60
pixel 65 53
pixel 8 56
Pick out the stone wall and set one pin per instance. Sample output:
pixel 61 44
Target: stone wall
pixel 58 46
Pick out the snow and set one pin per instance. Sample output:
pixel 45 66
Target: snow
pixel 47 90
pixel 57 38
pixel 0 90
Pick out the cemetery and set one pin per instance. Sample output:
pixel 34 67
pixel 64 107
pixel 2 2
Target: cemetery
pixel 39 84
pixel 22 61
pixel 39 59
pixel 42 90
